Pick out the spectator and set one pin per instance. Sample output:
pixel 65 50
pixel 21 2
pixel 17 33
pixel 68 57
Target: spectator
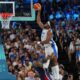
pixel 31 75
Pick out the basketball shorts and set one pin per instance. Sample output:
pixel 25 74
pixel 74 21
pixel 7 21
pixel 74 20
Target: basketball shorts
pixel 51 49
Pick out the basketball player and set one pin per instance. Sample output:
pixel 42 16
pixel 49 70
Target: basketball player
pixel 51 50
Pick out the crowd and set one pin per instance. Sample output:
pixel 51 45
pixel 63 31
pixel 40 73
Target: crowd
pixel 25 59
pixel 62 7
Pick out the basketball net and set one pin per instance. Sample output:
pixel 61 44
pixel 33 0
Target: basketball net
pixel 5 20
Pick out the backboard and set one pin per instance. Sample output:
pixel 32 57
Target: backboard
pixel 22 11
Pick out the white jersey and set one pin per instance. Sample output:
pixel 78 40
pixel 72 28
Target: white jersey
pixel 44 36
pixel 50 47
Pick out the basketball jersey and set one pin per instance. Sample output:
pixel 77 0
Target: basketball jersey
pixel 44 36
pixel 50 47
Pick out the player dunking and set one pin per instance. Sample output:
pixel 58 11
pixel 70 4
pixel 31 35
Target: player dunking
pixel 51 50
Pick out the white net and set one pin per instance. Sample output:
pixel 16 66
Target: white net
pixel 5 23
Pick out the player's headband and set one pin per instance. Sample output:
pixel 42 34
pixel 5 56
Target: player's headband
pixel 49 23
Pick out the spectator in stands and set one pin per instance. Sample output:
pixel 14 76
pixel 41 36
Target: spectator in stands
pixel 31 75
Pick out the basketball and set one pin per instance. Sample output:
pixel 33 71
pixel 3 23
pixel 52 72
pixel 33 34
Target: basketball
pixel 37 6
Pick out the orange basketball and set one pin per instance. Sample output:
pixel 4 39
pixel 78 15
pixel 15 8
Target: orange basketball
pixel 37 6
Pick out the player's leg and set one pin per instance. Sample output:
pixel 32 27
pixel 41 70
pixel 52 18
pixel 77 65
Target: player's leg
pixel 55 66
pixel 54 55
pixel 51 55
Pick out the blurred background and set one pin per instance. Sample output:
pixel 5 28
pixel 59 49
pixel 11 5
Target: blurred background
pixel 24 59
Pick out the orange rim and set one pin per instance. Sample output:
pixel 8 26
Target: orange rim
pixel 5 15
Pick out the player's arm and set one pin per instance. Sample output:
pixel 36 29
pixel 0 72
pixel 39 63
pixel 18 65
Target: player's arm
pixel 49 36
pixel 41 25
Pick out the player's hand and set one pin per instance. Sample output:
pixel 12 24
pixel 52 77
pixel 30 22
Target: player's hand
pixel 40 8
pixel 37 6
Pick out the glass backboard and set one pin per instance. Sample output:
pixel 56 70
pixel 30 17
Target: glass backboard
pixel 22 11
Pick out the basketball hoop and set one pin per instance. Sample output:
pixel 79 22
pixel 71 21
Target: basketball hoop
pixel 5 20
